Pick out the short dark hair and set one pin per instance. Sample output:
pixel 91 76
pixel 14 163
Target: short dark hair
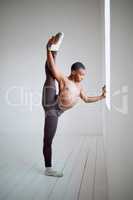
pixel 77 65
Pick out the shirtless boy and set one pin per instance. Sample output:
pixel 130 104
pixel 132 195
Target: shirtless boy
pixel 70 90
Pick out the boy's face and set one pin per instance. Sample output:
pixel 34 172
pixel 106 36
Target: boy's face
pixel 79 74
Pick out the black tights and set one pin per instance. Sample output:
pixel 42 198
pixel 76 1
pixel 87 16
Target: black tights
pixel 49 132
pixel 51 116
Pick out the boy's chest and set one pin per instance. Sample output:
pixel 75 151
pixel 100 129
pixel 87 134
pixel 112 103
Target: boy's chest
pixel 69 87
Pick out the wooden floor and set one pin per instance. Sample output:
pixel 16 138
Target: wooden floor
pixel 80 157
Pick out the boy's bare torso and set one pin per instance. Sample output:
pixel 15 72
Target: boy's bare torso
pixel 69 93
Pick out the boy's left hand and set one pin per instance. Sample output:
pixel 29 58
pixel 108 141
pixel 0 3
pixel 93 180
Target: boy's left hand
pixel 50 42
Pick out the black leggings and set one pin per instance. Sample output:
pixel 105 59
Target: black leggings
pixel 52 113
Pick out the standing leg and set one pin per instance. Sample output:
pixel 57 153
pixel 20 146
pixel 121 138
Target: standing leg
pixel 50 127
pixel 49 132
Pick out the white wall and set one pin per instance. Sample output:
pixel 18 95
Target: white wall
pixel 117 127
pixel 25 28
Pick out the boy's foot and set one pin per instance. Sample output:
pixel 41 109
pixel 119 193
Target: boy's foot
pixel 51 172
pixel 58 40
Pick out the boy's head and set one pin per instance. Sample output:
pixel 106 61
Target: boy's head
pixel 78 71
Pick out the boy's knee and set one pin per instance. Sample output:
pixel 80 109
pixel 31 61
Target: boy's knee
pixel 51 113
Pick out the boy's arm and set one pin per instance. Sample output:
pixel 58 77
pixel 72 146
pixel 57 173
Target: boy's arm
pixel 88 99
pixel 52 65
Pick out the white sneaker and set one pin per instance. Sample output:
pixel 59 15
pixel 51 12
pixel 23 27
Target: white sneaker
pixel 51 172
pixel 58 37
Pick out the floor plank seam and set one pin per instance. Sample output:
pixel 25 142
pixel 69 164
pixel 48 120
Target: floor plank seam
pixel 78 197
pixel 106 171
pixel 94 178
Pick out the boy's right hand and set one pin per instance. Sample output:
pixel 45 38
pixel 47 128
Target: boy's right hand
pixel 104 91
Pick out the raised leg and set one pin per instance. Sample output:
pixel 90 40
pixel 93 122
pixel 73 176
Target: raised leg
pixel 49 88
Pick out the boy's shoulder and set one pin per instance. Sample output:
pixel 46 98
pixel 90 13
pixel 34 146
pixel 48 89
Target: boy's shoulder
pixel 64 78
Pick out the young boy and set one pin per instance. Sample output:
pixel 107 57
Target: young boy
pixel 70 90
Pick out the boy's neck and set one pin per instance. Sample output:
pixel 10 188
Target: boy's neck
pixel 71 77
